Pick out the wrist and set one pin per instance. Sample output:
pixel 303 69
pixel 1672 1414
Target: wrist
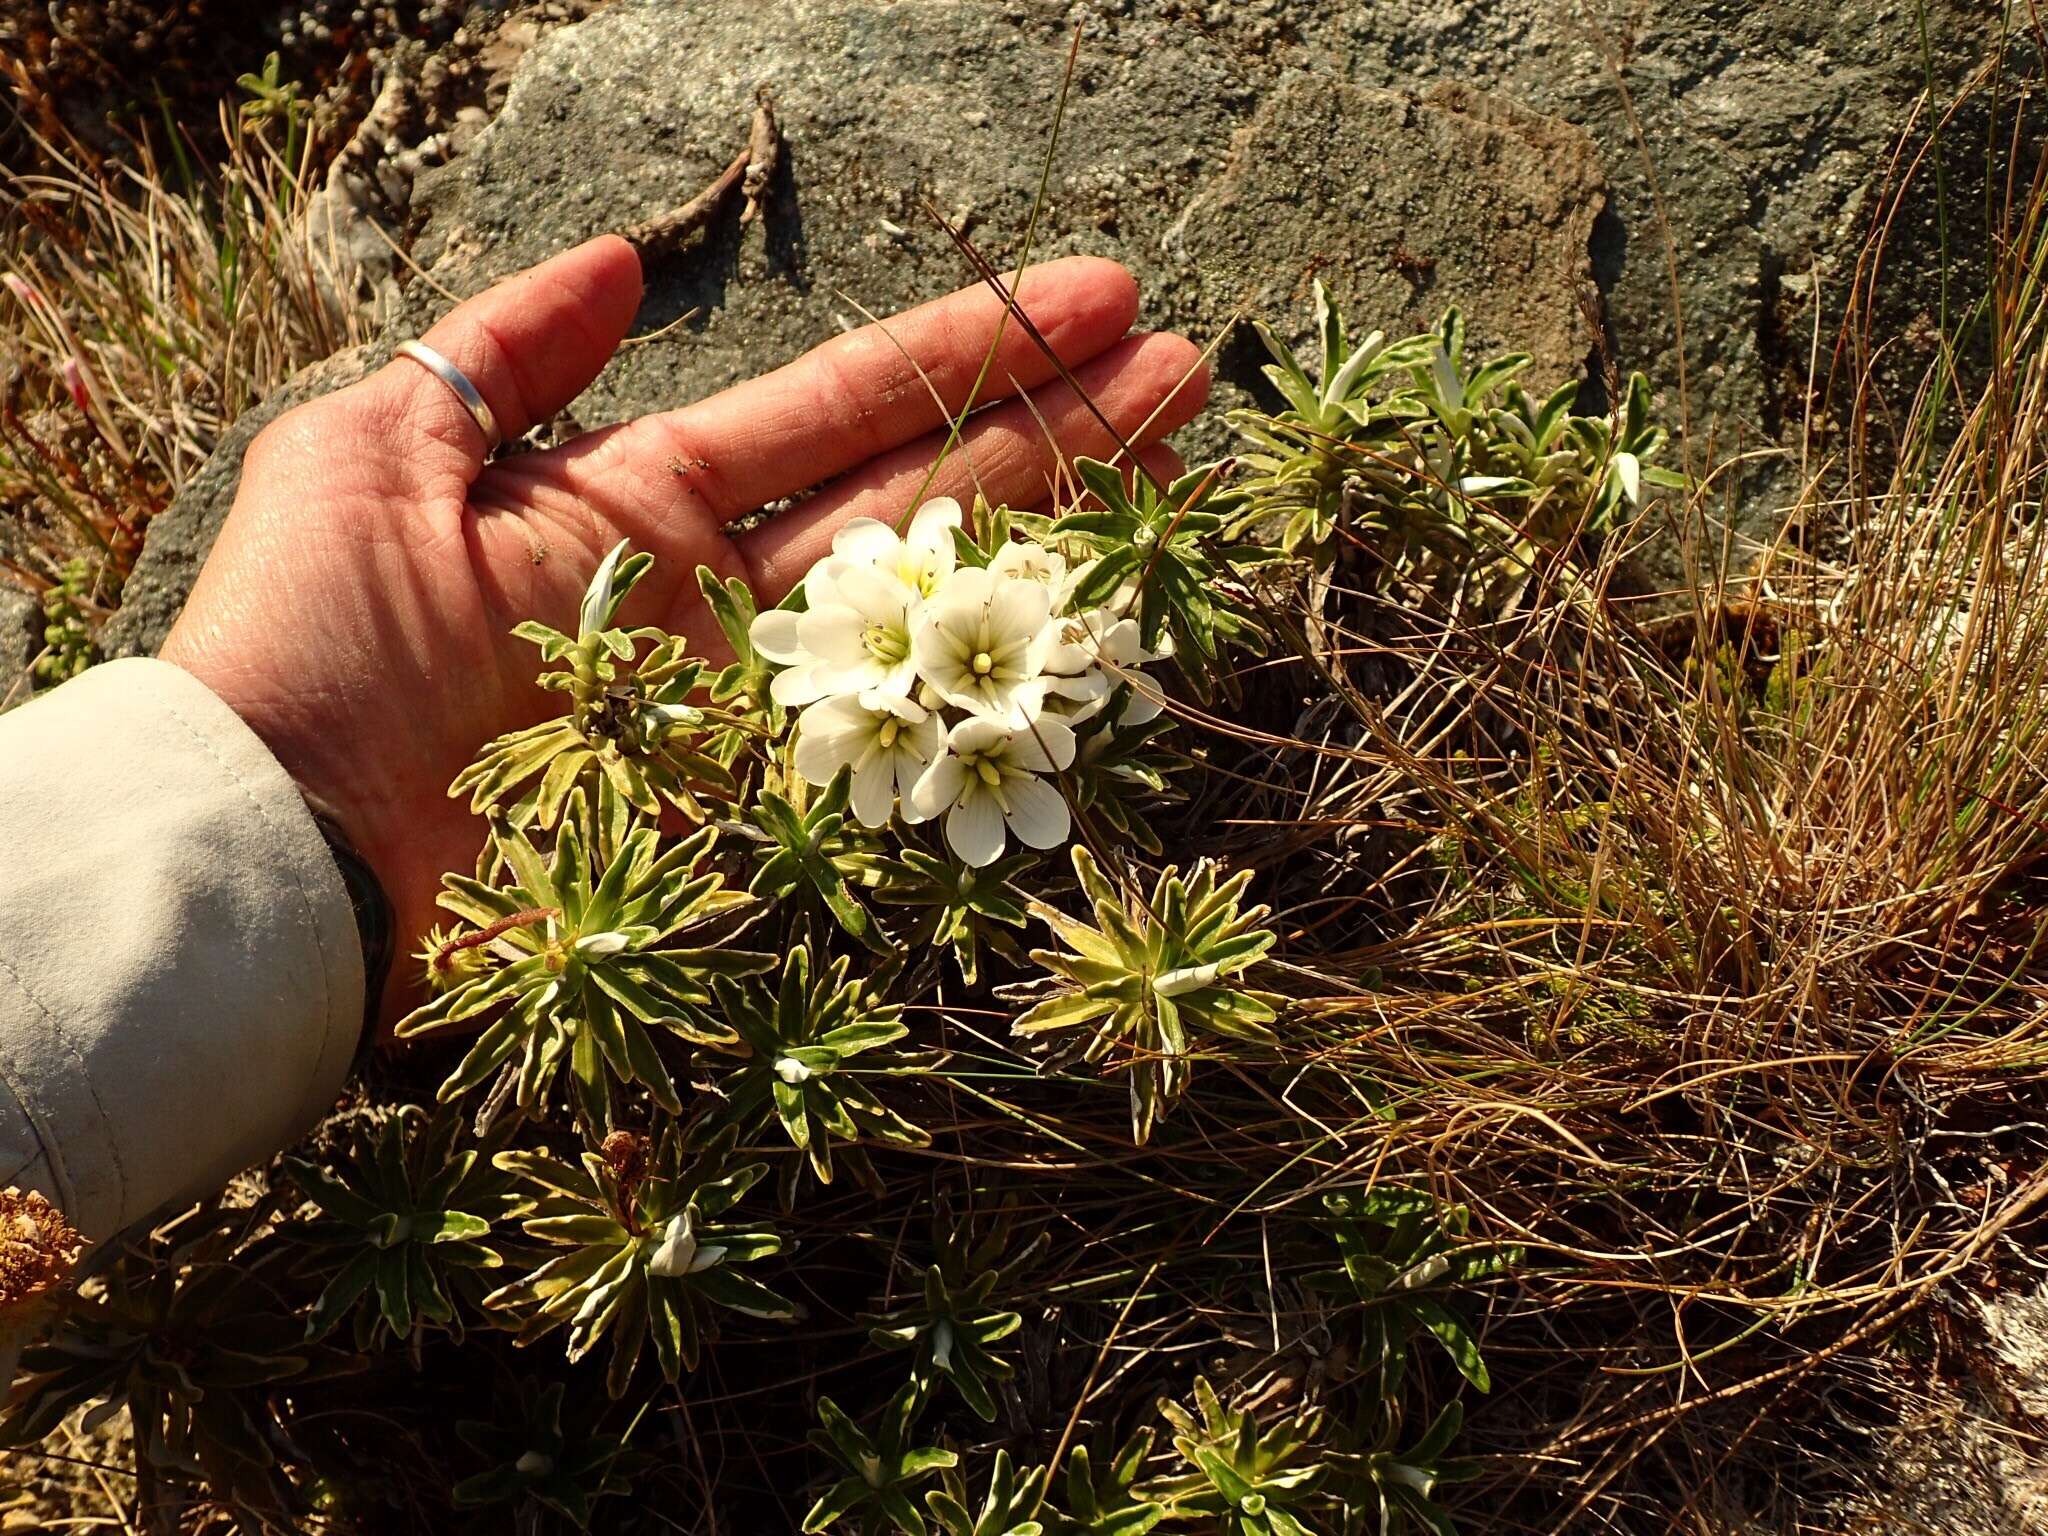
pixel 343 792
pixel 376 922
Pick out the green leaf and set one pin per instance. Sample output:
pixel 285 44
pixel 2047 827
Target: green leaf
pixel 1456 1339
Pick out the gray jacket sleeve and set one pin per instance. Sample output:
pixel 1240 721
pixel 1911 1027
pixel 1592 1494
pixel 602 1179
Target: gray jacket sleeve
pixel 181 985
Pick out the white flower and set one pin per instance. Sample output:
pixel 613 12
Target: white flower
pixel 888 740
pixel 862 601
pixel 1099 637
pixel 989 779
pixel 856 635
pixel 982 643
pixel 1096 651
pixel 921 559
pixel 1123 603
pixel 671 715
pixel 1025 561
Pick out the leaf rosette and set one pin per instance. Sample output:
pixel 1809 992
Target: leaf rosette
pixel 584 971
pixel 413 1213
pixel 653 1251
pixel 803 1039
pixel 1144 971
pixel 633 721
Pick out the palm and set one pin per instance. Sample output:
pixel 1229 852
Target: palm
pixel 357 609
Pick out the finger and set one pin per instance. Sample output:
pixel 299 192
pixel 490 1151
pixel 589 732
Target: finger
pixel 1146 385
pixel 529 344
pixel 872 390
pixel 1161 462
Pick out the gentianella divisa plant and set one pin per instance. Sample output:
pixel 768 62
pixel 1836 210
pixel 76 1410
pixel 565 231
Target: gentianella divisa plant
pixel 951 690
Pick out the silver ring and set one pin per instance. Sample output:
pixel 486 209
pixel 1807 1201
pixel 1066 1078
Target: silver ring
pixel 439 366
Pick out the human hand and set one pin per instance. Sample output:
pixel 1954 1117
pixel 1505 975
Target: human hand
pixel 356 610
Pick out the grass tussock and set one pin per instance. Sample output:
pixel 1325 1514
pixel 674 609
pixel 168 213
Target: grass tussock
pixel 148 301
pixel 1695 943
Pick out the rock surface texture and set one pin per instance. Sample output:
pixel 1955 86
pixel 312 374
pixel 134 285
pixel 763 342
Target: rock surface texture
pixel 1414 153
pixel 21 637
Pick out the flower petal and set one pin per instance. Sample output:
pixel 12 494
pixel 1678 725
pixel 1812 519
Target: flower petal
pixel 975 734
pixel 925 739
pixel 831 734
pixel 937 651
pixel 939 786
pixel 1018 610
pixel 974 829
pixel 1022 560
pixel 774 636
pixel 866 541
pixel 874 787
pixel 836 634
pixel 671 714
pixel 879 701
pixel 598 595
pixel 1146 702
pixel 878 597
pixel 1078 698
pixel 798 686
pixel 907 807
pixel 1047 743
pixel 821 582
pixel 1016 705
pixel 959 603
pixel 1038 813
pixel 932 527
pixel 896 681
pixel 1117 639
pixel 915 750
pixel 1187 979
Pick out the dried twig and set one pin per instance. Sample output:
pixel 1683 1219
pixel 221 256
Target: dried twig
pixel 663 234
pixel 749 171
pixel 764 152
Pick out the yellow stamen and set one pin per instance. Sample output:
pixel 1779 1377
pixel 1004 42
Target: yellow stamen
pixel 888 732
pixel 983 664
pixel 991 775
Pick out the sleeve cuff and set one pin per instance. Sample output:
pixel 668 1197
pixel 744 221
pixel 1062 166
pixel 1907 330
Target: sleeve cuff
pixel 181 985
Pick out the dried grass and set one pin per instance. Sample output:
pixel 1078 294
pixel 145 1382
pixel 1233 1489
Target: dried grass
pixel 148 301
pixel 1700 951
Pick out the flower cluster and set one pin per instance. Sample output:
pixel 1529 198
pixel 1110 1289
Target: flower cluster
pixel 949 687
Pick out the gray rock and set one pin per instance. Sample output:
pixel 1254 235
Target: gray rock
pixel 21 636
pixel 1767 124
pixel 616 119
pixel 1966 1458
pixel 1309 186
pixel 1171 134
pixel 1414 152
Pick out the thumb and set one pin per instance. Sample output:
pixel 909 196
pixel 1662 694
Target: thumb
pixel 530 345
